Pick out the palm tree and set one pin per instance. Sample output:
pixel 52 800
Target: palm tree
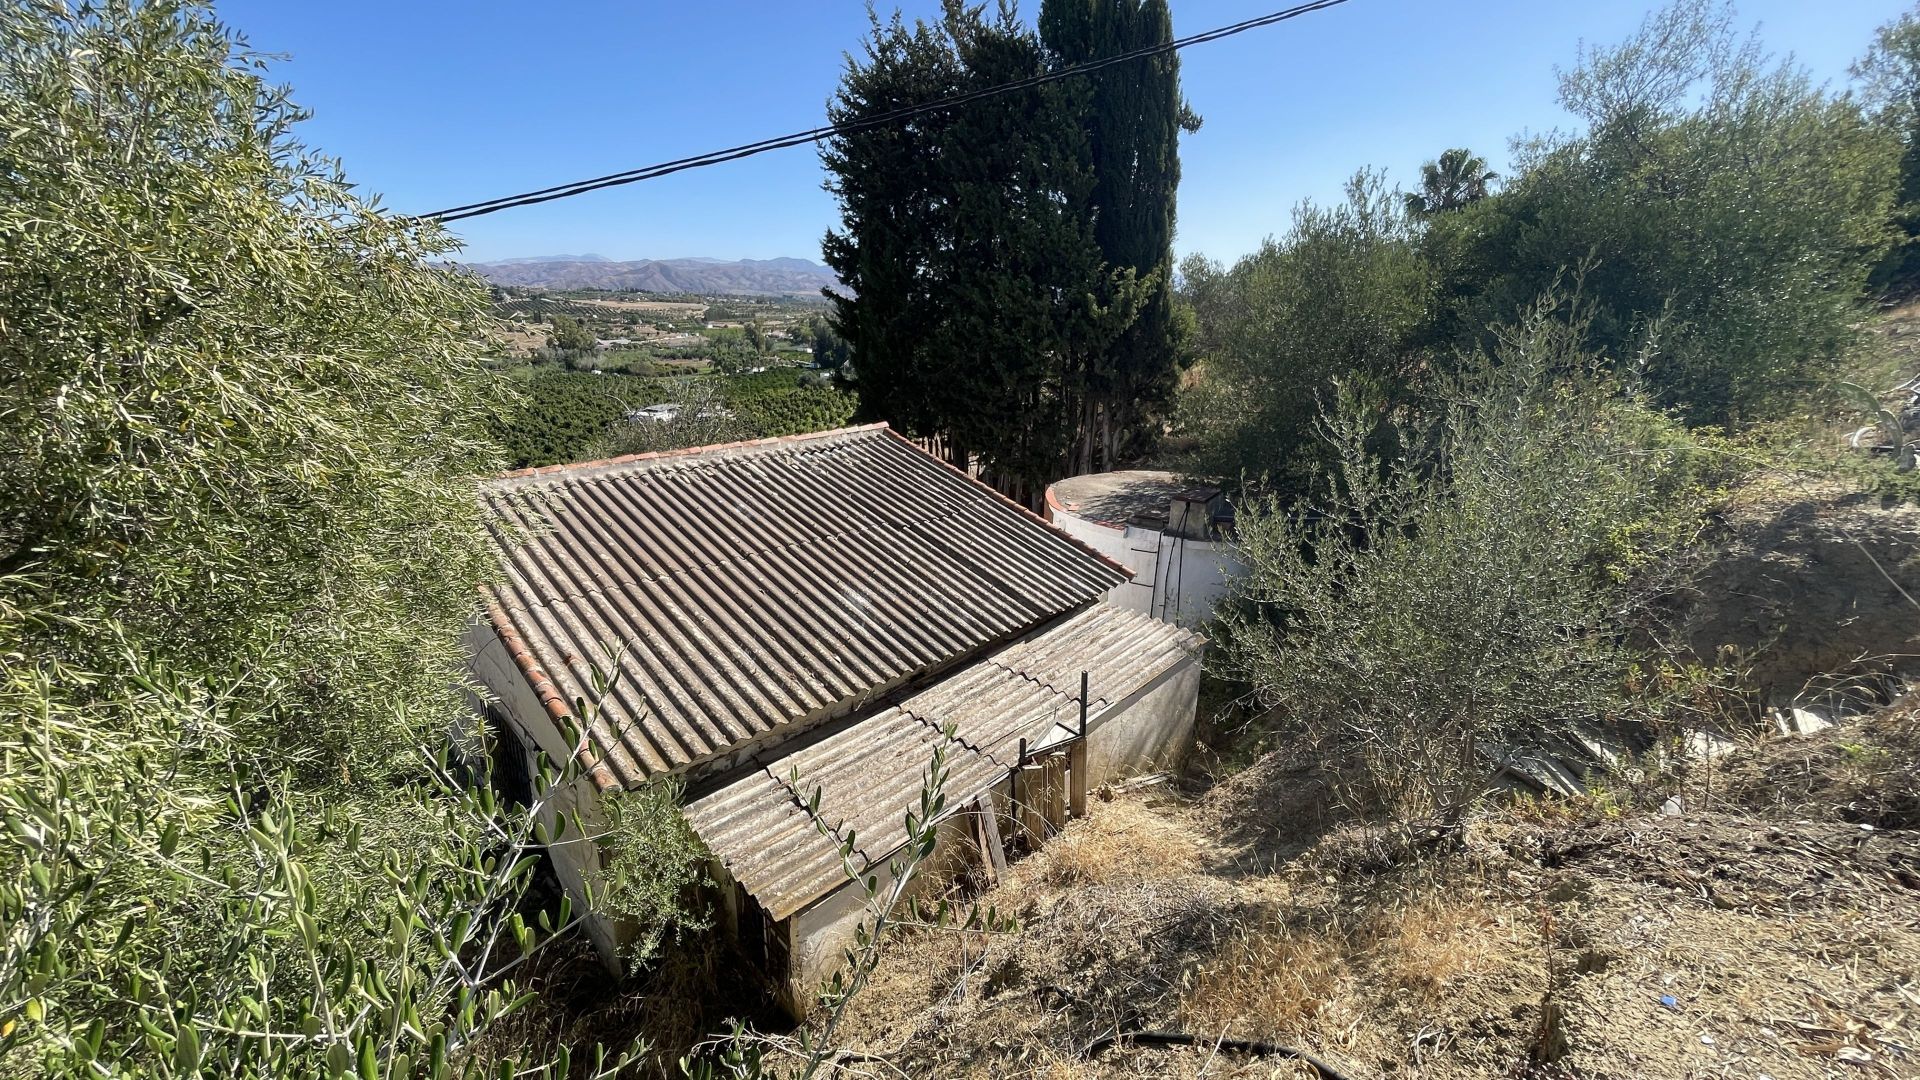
pixel 1458 178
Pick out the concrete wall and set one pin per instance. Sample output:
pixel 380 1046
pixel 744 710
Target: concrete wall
pixel 575 861
pixel 1151 731
pixel 819 934
pixel 1147 732
pixel 1174 579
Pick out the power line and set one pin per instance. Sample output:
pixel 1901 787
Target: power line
pixel 799 138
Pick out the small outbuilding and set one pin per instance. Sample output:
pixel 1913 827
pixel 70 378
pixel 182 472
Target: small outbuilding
pixel 810 617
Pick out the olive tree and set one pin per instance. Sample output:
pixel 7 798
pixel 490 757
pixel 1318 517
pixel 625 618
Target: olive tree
pixel 1342 295
pixel 1475 592
pixel 238 547
pixel 1709 187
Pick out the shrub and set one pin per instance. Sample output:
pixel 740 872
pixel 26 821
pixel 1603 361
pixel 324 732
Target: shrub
pixel 1341 296
pixel 238 550
pixel 1469 595
pixel 652 861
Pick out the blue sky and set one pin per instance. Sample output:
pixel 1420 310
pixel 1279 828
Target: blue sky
pixel 436 104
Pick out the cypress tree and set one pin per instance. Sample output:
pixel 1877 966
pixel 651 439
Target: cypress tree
pixel 980 300
pixel 1133 118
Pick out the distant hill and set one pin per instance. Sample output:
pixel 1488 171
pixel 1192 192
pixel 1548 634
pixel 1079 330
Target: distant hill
pixel 709 277
pixel 556 259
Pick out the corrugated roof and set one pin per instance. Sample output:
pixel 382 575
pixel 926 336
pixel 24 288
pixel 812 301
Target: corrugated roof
pixel 740 588
pixel 870 773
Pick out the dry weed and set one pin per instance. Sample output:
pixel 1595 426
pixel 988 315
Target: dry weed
pixel 1292 980
pixel 1276 980
pixel 1428 948
pixel 1124 842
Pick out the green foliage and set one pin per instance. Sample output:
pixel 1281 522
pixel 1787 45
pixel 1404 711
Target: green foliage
pixel 1729 201
pixel 1478 593
pixel 830 351
pixel 756 337
pixel 572 416
pixel 1890 87
pixel 1343 296
pixel 238 548
pixel 570 335
pixel 733 350
pixel 1715 201
pixel 562 414
pixel 1458 178
pixel 651 862
pixel 788 401
pixel 1134 115
pixel 978 297
pixel 702 419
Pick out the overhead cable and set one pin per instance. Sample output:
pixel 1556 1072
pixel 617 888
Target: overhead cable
pixel 798 138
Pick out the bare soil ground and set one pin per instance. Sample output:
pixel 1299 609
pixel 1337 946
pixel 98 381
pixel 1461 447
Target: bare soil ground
pixel 1810 580
pixel 514 338
pixel 1761 934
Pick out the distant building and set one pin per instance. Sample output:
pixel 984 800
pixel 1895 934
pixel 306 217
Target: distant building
pixel 654 414
pixel 816 614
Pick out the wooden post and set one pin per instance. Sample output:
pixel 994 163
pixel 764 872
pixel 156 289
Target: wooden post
pixel 1024 796
pixel 1077 761
pixel 1055 809
pixel 987 832
pixel 1033 791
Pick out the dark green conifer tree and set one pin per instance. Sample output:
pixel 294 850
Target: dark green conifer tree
pixel 1133 118
pixel 979 299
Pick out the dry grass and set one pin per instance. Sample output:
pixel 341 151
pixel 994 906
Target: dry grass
pixel 1587 806
pixel 1270 982
pixel 1292 980
pixel 510 338
pixel 1125 842
pixel 1433 946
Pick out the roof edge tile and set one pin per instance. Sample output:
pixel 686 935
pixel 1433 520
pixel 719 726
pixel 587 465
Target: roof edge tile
pixel 691 451
pixel 545 690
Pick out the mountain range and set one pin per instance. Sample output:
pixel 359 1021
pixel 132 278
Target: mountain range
pixel 706 277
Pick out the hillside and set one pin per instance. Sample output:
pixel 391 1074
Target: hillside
pixel 1756 915
pixel 699 277
pixel 1579 939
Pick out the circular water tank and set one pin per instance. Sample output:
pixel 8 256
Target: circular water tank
pixel 1171 530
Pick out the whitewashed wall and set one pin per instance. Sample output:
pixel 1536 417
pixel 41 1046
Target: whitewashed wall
pixel 576 863
pixel 1174 579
